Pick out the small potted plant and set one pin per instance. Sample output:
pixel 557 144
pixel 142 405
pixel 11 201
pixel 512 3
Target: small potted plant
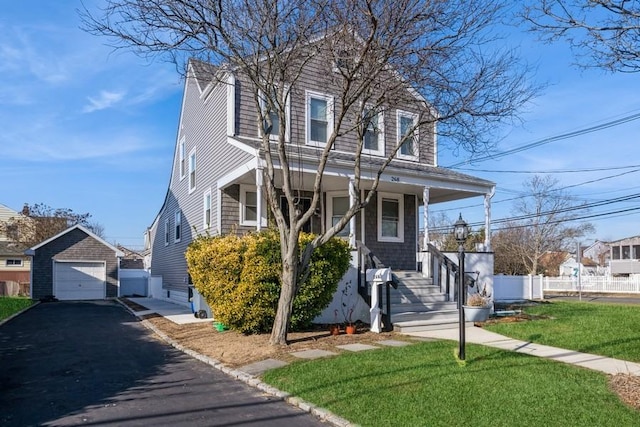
pixel 334 328
pixel 348 306
pixel 478 306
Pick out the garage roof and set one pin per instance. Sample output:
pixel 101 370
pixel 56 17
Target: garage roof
pixel 32 251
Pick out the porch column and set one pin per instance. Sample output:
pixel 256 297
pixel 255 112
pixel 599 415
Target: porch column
pixel 352 221
pixel 425 218
pixel 259 184
pixel 487 219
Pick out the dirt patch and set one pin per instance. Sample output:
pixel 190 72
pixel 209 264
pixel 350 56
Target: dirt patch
pixel 235 349
pixel 627 387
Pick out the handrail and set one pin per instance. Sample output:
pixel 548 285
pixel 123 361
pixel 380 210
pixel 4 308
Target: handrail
pixel 440 260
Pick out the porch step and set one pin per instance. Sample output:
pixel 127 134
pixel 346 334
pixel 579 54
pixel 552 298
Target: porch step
pixel 418 305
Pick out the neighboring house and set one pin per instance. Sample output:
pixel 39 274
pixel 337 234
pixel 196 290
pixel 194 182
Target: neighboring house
pixel 75 265
pixel 625 256
pixel 131 260
pixel 216 186
pixel 14 264
pixel 599 252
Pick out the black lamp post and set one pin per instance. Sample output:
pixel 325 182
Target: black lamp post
pixel 460 232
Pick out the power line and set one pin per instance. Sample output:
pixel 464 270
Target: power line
pixel 556 171
pixel 548 140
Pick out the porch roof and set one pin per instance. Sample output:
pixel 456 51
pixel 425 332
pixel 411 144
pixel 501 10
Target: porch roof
pixel 399 176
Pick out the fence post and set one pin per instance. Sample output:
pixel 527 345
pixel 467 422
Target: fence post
pixel 541 278
pixel 530 286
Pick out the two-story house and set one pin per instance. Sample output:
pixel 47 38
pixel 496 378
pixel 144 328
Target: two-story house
pixel 216 184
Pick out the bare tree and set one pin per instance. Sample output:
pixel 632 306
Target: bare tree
pixel 442 53
pixel 543 222
pixel 603 33
pixel 36 223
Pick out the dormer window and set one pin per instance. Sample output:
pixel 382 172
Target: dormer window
pixel 273 129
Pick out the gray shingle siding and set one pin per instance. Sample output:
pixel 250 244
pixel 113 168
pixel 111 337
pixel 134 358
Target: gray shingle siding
pixel 75 245
pixel 203 127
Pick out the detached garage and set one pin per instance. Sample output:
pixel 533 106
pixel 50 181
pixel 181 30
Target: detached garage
pixel 74 265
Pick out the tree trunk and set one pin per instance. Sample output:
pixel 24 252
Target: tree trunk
pixel 287 294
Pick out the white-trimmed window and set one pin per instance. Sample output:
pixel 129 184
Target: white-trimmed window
pixel 206 210
pixel 319 118
pixel 248 205
pixel 373 138
pixel 337 206
pixel 13 262
pixel 408 133
pixel 390 217
pixel 166 231
pixel 178 226
pixel 182 158
pixel 192 170
pixel 275 122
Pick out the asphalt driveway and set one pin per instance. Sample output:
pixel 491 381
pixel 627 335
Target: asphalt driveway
pixel 95 364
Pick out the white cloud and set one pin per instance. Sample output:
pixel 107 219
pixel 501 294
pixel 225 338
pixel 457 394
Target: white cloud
pixel 105 100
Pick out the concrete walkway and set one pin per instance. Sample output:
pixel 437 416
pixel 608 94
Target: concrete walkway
pixel 477 335
pixel 177 313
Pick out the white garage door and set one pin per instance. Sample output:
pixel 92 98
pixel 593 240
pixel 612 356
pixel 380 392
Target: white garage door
pixel 79 280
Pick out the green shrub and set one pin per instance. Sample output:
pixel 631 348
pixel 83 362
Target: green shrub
pixel 239 276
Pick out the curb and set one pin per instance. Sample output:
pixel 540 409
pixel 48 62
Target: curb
pixel 3 321
pixel 320 413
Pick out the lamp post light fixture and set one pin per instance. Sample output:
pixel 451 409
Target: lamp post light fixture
pixel 461 232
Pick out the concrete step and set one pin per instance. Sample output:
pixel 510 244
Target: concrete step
pixel 427 325
pixel 422 307
pixel 409 298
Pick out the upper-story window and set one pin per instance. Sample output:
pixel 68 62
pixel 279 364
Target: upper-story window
pixel 319 118
pixel 14 262
pixel 192 170
pixel 390 217
pixel 206 207
pixel 373 133
pixel 178 226
pixel 182 158
pixel 274 128
pixel 407 135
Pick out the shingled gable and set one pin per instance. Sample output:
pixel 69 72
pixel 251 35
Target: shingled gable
pixel 31 251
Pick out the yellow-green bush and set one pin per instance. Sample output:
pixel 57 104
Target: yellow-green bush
pixel 239 276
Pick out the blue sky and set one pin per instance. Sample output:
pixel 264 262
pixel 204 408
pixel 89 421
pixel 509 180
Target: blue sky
pixel 94 130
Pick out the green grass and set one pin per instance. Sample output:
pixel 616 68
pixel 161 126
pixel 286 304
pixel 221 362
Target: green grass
pixel 424 385
pixel 611 330
pixel 11 305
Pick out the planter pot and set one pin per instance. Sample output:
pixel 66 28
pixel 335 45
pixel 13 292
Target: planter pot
pixel 334 329
pixel 476 314
pixel 351 329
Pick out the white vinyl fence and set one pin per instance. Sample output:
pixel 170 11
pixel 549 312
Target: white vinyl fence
pixel 514 288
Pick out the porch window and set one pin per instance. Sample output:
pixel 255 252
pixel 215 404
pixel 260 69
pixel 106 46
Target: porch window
pixel 337 206
pixel 207 210
pixel 319 118
pixel 192 171
pixel 407 135
pixel 373 133
pixel 14 263
pixel 616 252
pixel 182 159
pixel 636 251
pixel 178 226
pixel 248 206
pixel 390 218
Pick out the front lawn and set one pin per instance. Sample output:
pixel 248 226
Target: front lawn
pixel 424 385
pixel 611 330
pixel 11 305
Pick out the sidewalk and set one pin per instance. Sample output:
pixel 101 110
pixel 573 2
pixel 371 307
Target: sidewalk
pixel 590 361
